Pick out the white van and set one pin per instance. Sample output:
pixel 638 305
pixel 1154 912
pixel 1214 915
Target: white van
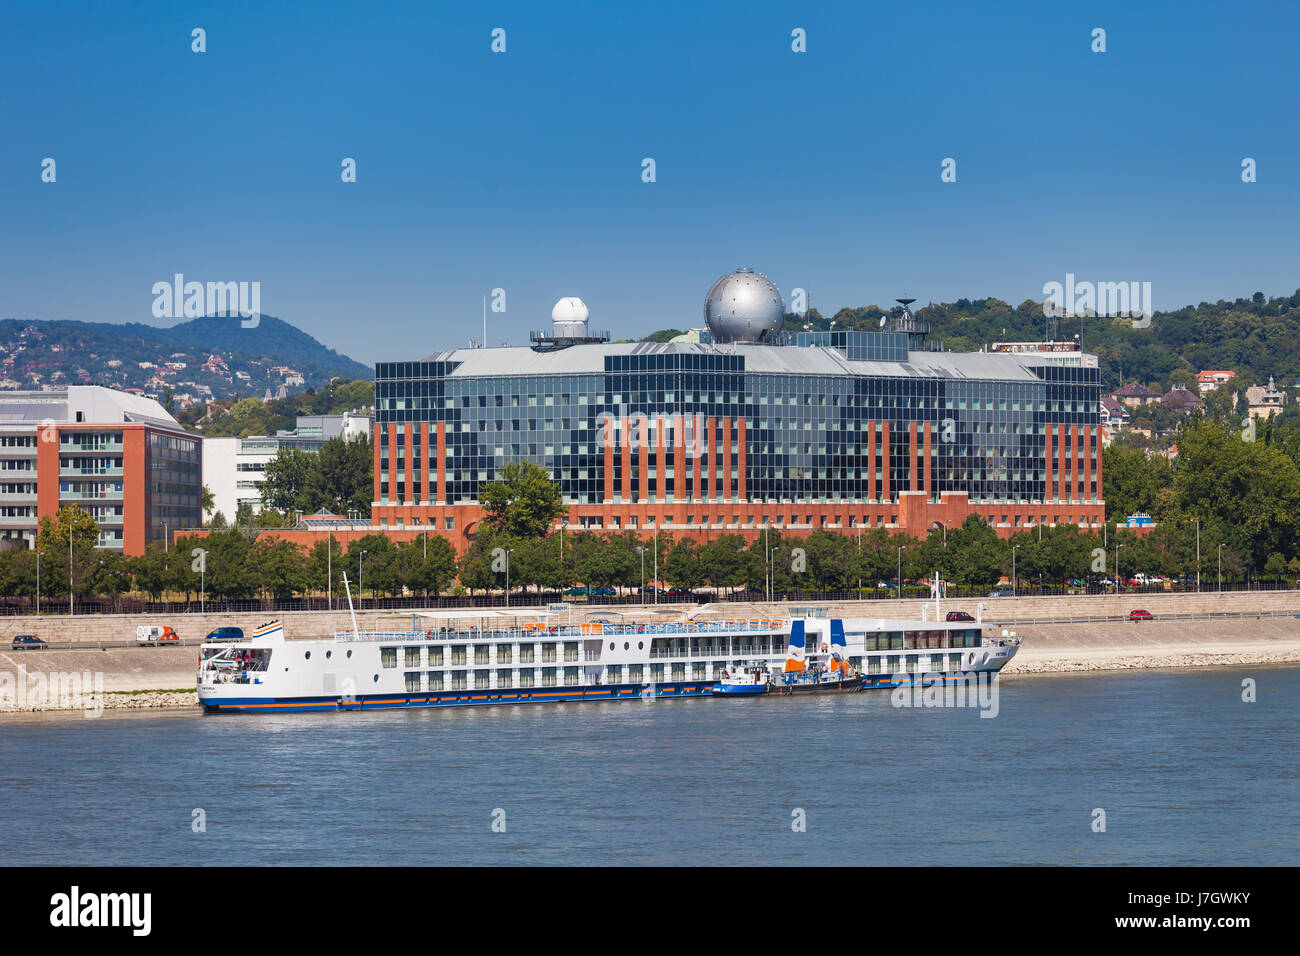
pixel 155 634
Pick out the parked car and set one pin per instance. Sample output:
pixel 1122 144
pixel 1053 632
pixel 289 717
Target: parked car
pixel 1002 592
pixel 28 642
pixel 959 616
pixel 227 634
pixel 151 635
pixel 1139 615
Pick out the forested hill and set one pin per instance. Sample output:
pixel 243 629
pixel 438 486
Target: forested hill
pixel 1255 337
pixel 247 360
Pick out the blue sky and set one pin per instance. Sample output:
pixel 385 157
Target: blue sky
pixel 522 170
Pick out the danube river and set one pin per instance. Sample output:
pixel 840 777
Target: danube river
pixel 1184 771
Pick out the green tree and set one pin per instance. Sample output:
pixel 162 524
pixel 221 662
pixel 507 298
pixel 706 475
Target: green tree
pixel 288 481
pixel 524 503
pixel 341 477
pixel 67 538
pixel 683 565
pixel 279 567
pixel 378 569
pixel 152 571
pixel 438 566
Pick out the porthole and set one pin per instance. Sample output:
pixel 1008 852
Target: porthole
pixel 349 653
pixel 376 678
pixel 626 645
pixel 611 645
pixel 640 645
pixel 307 656
pixel 328 655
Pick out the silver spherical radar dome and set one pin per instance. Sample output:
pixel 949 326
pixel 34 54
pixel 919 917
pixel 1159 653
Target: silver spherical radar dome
pixel 743 306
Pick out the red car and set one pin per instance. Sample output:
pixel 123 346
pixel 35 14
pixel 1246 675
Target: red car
pixel 959 616
pixel 1139 615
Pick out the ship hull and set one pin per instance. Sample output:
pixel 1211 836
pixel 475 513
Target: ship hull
pixel 459 698
pixel 562 695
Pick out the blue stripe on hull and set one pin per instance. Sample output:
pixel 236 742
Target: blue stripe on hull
pixel 458 698
pixel 529 695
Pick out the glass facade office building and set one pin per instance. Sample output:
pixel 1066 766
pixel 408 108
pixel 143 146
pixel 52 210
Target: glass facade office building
pixel 833 430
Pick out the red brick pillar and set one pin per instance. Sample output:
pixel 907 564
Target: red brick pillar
pixel 409 437
pixel 625 435
pixel 740 451
pixel 913 479
pixel 713 460
pixel 426 467
pixel 442 462
pixel 379 465
pixel 1047 460
pixel 726 458
pixel 607 436
pixel 927 462
pixel 885 494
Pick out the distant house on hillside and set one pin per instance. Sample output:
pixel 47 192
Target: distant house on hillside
pixel 1134 395
pixel 1211 379
pixel 1180 399
pixel 1112 414
pixel 1264 401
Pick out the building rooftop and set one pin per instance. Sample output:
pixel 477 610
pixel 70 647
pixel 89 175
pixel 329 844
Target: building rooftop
pixel 823 360
pixel 97 405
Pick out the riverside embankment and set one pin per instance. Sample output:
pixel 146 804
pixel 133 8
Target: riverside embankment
pixel 1057 634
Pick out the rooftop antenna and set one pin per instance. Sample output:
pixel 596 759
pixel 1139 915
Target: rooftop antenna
pixel 485 321
pixel 905 323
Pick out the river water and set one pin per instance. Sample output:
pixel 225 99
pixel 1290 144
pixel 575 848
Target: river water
pixel 1184 771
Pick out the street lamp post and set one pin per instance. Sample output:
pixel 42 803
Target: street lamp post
pixel 1198 554
pixel 859 526
pixel 1014 549
pixel 38 582
pixel 656 562
pixel 771 574
pixel 642 550
pixel 1220 567
pixel 360 579
pixel 900 572
pixel 509 551
pixel 1119 579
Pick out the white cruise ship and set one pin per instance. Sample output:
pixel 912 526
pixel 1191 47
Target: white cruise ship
pixel 452 659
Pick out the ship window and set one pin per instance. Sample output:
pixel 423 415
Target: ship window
pixel 388 657
pixel 349 653
pixel 328 655
pixel 307 656
pixel 376 678
pixel 626 645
